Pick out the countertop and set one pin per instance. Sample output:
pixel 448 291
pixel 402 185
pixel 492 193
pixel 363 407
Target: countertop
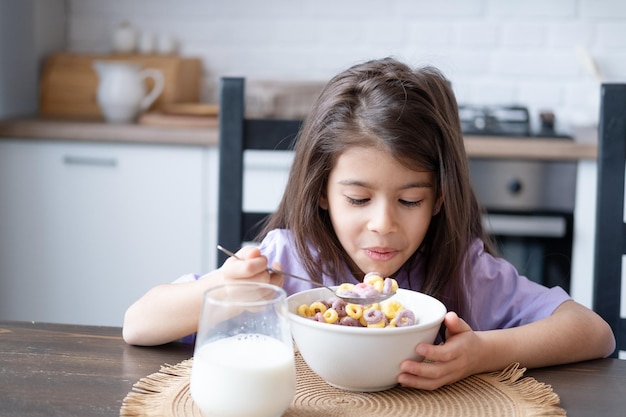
pixel 86 130
pixel 93 130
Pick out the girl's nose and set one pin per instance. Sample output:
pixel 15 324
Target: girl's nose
pixel 382 219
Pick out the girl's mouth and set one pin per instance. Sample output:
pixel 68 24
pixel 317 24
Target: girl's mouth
pixel 380 254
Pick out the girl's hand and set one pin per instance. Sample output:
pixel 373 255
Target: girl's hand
pixel 452 361
pixel 251 266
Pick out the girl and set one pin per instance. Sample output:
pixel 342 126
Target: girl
pixel 380 182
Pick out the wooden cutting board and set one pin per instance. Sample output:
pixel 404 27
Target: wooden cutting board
pixel 191 109
pixel 182 115
pixel 69 83
pixel 176 120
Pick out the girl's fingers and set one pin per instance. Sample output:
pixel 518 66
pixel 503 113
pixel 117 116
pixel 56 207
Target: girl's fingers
pixel 425 375
pixel 248 252
pixel 277 279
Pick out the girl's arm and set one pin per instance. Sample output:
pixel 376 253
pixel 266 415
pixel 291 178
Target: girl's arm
pixel 170 311
pixel 572 333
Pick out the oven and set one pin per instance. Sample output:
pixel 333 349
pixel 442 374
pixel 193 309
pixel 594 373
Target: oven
pixel 530 214
pixel 529 203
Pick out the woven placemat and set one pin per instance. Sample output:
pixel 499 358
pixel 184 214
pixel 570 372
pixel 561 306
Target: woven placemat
pixel 499 394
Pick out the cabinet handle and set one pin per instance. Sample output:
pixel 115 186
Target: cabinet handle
pixel 89 160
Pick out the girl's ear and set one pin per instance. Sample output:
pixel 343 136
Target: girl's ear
pixel 438 205
pixel 323 202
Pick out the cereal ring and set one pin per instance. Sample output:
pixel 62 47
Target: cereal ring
pixel 304 310
pixel 373 316
pixel 319 317
pixel 318 306
pixel 347 293
pixel 354 310
pixel 365 290
pixel 349 321
pixel 340 307
pixel 390 286
pixel 391 308
pixel 405 318
pixel 375 280
pixel 330 316
pixel 379 325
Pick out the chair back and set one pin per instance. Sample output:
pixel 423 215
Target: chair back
pixel 610 241
pixel 236 135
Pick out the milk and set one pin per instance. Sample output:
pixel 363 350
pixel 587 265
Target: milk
pixel 243 376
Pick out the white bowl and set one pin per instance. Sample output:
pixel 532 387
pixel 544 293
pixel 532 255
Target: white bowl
pixel 359 358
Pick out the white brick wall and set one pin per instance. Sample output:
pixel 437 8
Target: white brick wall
pixel 494 51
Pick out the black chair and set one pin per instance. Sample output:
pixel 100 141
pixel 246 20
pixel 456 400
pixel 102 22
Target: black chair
pixel 610 243
pixel 236 135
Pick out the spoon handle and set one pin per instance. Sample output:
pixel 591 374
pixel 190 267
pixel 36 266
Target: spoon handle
pixel 287 274
pixel 272 270
pixel 227 252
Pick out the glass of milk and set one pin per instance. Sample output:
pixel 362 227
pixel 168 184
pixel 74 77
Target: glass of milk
pixel 243 361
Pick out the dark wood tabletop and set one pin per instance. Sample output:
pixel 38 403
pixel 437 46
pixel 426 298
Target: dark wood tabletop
pixel 592 388
pixel 65 370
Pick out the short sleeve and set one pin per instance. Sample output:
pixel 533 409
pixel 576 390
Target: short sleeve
pixel 279 247
pixel 499 297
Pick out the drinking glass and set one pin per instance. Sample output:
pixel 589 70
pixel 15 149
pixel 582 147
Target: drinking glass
pixel 243 361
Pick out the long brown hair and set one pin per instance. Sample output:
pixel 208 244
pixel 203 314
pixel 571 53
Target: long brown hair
pixel 413 115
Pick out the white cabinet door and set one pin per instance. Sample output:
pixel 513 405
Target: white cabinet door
pixel 87 228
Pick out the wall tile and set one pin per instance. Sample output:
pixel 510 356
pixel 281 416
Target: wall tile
pixel 492 50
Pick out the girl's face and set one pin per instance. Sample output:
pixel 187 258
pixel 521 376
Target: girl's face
pixel 379 208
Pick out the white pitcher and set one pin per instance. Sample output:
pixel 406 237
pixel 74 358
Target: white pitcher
pixel 121 92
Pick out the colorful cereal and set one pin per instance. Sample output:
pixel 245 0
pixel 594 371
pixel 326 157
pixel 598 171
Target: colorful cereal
pixel 390 313
pixel 373 284
pixel 386 314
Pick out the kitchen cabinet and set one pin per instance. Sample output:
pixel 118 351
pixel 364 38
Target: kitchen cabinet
pixel 86 228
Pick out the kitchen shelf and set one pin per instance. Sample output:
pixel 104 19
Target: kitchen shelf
pixel 95 130
pixel 529 148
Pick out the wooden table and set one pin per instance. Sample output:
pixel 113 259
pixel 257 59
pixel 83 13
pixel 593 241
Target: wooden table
pixel 64 370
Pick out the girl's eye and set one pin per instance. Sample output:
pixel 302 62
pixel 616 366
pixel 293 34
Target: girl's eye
pixel 411 203
pixel 357 201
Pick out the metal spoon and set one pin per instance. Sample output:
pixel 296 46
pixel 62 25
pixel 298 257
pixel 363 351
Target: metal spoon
pixel 347 299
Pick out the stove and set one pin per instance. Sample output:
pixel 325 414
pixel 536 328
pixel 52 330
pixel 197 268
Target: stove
pixel 506 120
pixel 495 120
